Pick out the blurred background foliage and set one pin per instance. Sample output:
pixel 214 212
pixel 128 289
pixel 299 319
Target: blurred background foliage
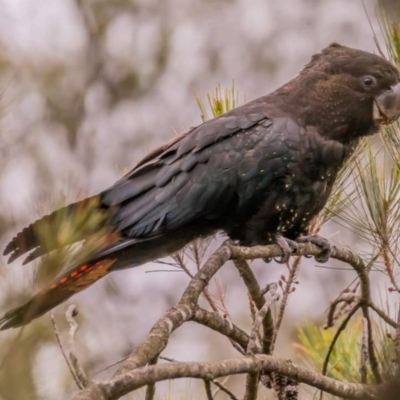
pixel 88 86
pixel 346 355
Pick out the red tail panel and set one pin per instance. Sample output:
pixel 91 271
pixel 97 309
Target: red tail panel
pixel 66 285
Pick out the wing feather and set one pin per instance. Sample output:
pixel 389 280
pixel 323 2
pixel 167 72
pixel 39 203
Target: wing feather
pixel 174 185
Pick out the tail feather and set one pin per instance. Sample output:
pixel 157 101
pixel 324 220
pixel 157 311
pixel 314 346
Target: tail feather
pixel 63 287
pixel 119 253
pixel 31 237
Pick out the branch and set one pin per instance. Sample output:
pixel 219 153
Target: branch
pixel 262 312
pixel 341 305
pixel 373 361
pixel 383 315
pixel 252 380
pixel 134 373
pixel 219 385
pixel 264 316
pixel 70 315
pixel 345 255
pixel 63 352
pixel 207 387
pixel 362 271
pixel 223 326
pixel 364 352
pixel 180 262
pixel 293 270
pixel 159 335
pixel 255 293
pixel 222 388
pixel 397 340
pixel 341 328
pixel 151 387
pixel 130 381
pixel 77 372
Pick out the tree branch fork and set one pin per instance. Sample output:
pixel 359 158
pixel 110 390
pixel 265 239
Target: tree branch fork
pixel 141 369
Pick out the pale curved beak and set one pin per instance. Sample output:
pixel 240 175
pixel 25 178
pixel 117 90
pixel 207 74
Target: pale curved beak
pixel 387 106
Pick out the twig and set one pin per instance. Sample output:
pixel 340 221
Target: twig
pixel 271 288
pixel 180 262
pixel 210 298
pixel 223 326
pixel 255 293
pixel 341 328
pixel 223 388
pixel 127 382
pixel 237 347
pixel 219 385
pixel 207 386
pixel 252 308
pixel 151 387
pixel 364 352
pixel 383 315
pixel 158 337
pixel 252 386
pixel 167 359
pixel 58 337
pixel 397 340
pixel 373 361
pixel 73 328
pixel 286 292
pixel 347 298
pixel 253 379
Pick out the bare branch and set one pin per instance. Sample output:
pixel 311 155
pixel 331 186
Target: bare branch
pixel 133 380
pixel 286 292
pixel 397 340
pixel 271 288
pixel 167 359
pixel 151 387
pixel 223 326
pixel 58 337
pixel 341 328
pixel 221 387
pixel 253 379
pixel 73 328
pixel 383 315
pixel 207 386
pixel 180 262
pixel 159 335
pixel 134 373
pixel 373 361
pixel 252 386
pixel 263 316
pixel 344 254
pixel 255 294
pixel 364 352
pixel 341 305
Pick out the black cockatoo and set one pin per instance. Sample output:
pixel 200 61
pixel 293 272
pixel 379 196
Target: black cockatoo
pixel 258 173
